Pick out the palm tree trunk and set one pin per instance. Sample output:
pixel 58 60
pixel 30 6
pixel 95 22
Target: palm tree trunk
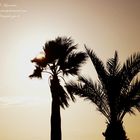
pixel 55 121
pixel 115 131
pixel 55 116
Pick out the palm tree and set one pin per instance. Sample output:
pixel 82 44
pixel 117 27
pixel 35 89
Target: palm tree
pixel 60 59
pixel 116 93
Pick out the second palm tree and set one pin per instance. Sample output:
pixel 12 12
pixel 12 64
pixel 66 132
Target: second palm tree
pixel 116 93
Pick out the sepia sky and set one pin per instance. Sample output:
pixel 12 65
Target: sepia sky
pixel 103 25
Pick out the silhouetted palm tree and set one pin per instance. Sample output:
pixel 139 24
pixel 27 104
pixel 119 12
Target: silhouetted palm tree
pixel 60 59
pixel 116 93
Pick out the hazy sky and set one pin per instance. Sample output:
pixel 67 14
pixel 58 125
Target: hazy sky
pixel 103 25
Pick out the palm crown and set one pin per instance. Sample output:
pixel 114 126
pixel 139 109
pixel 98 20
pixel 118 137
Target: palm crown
pixel 117 91
pixel 60 58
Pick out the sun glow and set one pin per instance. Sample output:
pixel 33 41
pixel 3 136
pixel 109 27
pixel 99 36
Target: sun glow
pixel 41 55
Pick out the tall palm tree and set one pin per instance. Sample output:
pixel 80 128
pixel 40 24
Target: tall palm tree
pixel 60 59
pixel 116 93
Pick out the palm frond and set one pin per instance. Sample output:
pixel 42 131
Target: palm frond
pixel 64 55
pixel 134 95
pixel 73 71
pixel 131 100
pixel 37 72
pixel 66 41
pixel 134 89
pixel 66 50
pixel 55 49
pixel 99 66
pixel 74 88
pixel 113 66
pixel 63 97
pixel 74 62
pixel 130 69
pixel 52 51
pixel 91 92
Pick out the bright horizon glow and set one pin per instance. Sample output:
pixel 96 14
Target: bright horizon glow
pixel 22 100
